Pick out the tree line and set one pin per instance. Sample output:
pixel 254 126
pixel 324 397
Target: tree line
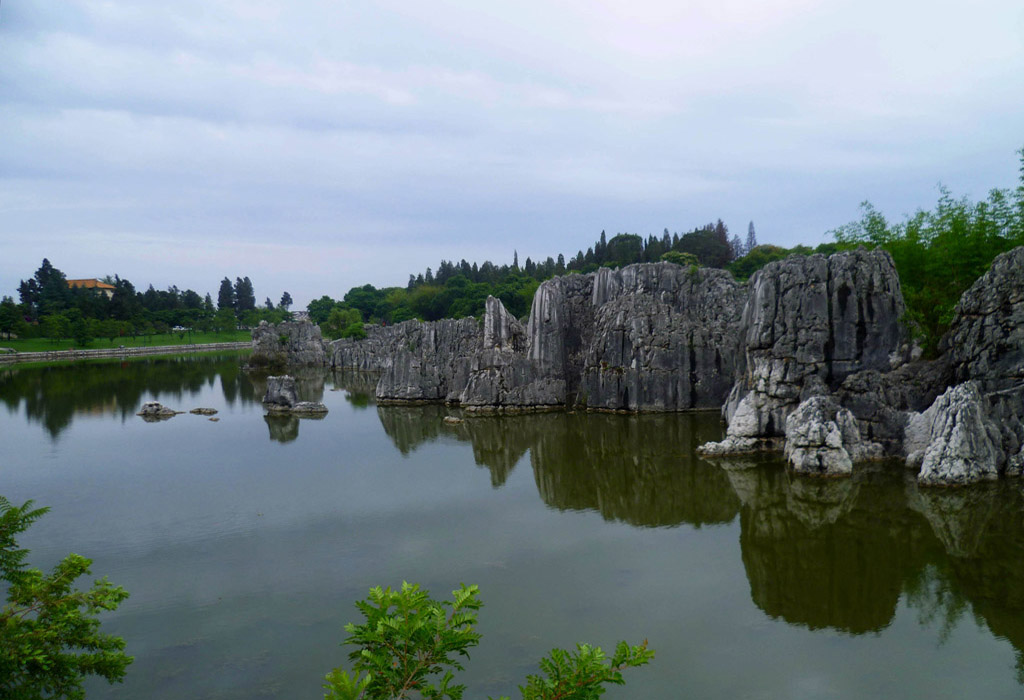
pixel 938 254
pixel 49 307
pixel 458 290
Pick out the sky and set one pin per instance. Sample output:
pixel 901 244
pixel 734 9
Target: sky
pixel 314 146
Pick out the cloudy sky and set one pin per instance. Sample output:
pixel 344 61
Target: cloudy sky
pixel 318 145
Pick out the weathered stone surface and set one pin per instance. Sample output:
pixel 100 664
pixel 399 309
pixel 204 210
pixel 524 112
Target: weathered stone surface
pixel 431 362
pixel 282 396
pixel 154 411
pixel 651 337
pixel 203 411
pixel 502 331
pixel 290 343
pixel 823 439
pixel 881 401
pixel 281 391
pixel 664 338
pixel 986 336
pixel 808 324
pixel 953 441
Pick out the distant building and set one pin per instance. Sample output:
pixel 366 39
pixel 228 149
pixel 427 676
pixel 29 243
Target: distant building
pixel 101 287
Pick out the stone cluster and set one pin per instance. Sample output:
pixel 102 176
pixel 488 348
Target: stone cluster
pixel 811 355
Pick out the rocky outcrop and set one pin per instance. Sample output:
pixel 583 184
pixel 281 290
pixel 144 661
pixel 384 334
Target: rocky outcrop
pixel 153 411
pixel 823 439
pixel 808 324
pixel 282 397
pixel 431 361
pixel 647 337
pixel 986 336
pixel 651 337
pixel 664 338
pixel 953 441
pixel 287 344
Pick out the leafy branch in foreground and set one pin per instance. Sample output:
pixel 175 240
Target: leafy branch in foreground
pixel 410 642
pixel 49 634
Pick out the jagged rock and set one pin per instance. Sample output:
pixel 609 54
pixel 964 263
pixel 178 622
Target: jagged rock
pixel 881 401
pixel 650 337
pixel 808 323
pixel 953 441
pixel 823 439
pixel 502 331
pixel 664 338
pixel 986 336
pixel 281 391
pixel 290 343
pixel 431 360
pixel 282 397
pixel 203 411
pixel 154 411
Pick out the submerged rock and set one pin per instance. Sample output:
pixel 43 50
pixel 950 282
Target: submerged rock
pixel 203 411
pixel 156 411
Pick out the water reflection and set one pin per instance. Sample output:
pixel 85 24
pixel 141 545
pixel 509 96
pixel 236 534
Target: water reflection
pixel 842 554
pixel 818 553
pixel 54 395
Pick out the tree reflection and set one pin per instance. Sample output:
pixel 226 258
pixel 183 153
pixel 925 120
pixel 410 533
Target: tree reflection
pixel 53 395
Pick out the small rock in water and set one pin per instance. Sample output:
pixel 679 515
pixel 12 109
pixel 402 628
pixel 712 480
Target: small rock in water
pixel 203 411
pixel 452 420
pixel 154 411
pixel 213 420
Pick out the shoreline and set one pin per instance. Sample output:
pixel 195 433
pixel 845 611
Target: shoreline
pixel 72 355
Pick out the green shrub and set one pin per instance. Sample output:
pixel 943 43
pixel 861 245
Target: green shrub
pixel 410 643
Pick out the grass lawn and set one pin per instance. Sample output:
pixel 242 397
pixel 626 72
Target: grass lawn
pixel 44 344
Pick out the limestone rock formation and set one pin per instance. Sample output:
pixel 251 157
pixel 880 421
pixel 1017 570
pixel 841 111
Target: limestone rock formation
pixel 986 336
pixel 664 338
pixel 808 324
pixel 155 411
pixel 647 337
pixel 282 397
pixel 953 441
pixel 287 344
pixel 823 439
pixel 429 361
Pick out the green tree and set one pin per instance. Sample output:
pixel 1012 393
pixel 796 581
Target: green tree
pixel 9 316
pixel 245 297
pixel 340 320
pixel 50 637
pixel 410 643
pixel 226 295
pixel 286 301
pixel 684 259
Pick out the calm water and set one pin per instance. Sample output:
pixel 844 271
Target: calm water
pixel 245 541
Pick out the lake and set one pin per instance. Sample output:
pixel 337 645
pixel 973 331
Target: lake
pixel 245 541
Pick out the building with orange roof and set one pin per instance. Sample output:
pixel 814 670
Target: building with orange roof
pixel 102 287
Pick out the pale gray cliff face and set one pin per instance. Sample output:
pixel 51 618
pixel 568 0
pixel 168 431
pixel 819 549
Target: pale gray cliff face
pixel 809 323
pixel 664 338
pixel 429 361
pixel 986 336
pixel 291 343
pixel 649 337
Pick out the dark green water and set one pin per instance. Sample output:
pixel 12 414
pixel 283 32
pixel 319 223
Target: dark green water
pixel 245 541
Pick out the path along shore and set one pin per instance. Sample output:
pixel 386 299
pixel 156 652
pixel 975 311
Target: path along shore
pixel 62 355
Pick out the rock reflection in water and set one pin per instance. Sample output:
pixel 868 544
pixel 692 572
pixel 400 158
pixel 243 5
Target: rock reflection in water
pixel 284 427
pixel 840 553
pixel 642 470
pixel 359 387
pixel 638 469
